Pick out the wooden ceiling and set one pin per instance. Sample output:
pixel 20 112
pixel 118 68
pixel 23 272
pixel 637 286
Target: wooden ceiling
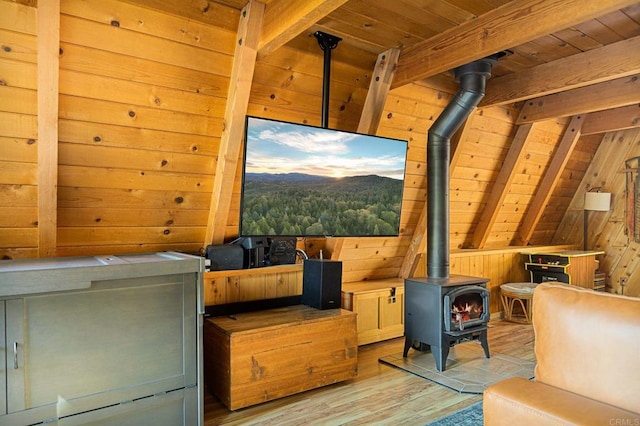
pixel 553 45
pixel 564 58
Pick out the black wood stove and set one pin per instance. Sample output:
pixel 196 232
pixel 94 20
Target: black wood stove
pixel 441 313
pixel 443 310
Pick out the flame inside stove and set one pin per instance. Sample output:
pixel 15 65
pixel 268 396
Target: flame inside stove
pixel 466 307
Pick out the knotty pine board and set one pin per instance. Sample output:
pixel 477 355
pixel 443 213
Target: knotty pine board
pixel 82 84
pixel 18 121
pixel 89 133
pixel 130 158
pixel 93 61
pixel 104 216
pixel 161 25
pixel 105 36
pixel 218 15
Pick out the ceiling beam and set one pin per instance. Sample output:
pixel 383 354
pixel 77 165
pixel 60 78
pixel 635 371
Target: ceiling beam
pixel 502 28
pixel 549 181
pixel 48 77
pixel 612 120
pixel 244 62
pixel 597 97
pixel 378 91
pixel 591 67
pixel 285 19
pixel 500 189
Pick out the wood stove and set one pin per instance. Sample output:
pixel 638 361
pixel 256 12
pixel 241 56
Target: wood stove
pixel 440 313
pixel 432 318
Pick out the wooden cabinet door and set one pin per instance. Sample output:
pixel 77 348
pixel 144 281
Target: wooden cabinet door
pixel 392 309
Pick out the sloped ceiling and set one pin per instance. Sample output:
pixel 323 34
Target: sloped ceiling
pixel 565 58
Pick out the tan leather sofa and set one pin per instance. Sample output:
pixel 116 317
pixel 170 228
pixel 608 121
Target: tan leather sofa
pixel 587 347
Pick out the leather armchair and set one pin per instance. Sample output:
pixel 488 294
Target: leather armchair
pixel 587 347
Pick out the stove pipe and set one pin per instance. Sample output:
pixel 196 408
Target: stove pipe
pixel 472 78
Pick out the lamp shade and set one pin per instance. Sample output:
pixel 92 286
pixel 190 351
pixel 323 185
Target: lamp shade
pixel 597 201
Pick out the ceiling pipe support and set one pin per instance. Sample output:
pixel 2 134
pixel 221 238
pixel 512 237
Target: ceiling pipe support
pixel 327 43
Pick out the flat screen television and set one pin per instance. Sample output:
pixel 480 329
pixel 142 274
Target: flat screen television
pixel 305 181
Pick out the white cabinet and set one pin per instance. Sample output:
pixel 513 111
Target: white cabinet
pixel 116 340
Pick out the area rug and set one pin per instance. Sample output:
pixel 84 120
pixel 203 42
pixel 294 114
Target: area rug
pixel 469 416
pixel 466 370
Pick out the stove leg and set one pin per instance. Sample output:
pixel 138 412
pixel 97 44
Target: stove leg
pixel 484 343
pixel 440 353
pixel 408 342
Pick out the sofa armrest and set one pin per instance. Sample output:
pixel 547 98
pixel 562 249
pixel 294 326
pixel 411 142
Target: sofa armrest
pixel 524 402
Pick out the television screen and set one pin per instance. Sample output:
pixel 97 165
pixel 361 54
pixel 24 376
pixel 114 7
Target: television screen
pixel 305 181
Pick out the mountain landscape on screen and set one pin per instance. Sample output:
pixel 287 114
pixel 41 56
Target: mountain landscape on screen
pixel 301 181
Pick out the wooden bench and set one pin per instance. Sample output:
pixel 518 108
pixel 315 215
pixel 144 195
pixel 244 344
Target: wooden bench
pixel 259 356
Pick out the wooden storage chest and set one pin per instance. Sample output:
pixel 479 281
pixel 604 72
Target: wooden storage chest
pixel 379 305
pixel 260 356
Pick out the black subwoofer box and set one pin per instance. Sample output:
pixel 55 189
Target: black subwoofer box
pixel 225 256
pixel 322 283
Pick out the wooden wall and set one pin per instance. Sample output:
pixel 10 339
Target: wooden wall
pixel 607 230
pixel 142 95
pixel 18 135
pixel 141 107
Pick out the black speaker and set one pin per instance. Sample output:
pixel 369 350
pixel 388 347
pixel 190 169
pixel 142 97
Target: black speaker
pixel 225 256
pixel 322 283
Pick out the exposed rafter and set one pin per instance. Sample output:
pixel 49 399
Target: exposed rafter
pixel 378 90
pixel 497 30
pixel 550 180
pixel 48 77
pixel 501 187
pixel 285 19
pixel 612 120
pixel 244 63
pixel 591 67
pixel 460 135
pixel 611 94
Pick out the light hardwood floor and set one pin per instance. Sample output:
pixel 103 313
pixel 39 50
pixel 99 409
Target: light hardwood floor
pixel 380 394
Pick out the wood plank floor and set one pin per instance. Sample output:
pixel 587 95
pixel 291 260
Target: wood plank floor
pixel 380 394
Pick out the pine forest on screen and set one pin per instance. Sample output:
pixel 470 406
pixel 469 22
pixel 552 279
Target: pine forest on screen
pixel 301 180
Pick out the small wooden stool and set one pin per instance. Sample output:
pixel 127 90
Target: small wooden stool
pixel 523 294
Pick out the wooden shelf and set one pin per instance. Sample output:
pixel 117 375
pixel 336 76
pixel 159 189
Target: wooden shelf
pixel 243 285
pixel 266 270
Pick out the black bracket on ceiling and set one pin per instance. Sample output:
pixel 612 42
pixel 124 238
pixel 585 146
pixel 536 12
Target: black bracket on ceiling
pixel 327 43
